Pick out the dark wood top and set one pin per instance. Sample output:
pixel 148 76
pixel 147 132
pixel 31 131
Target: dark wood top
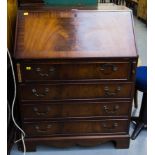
pixel 75 34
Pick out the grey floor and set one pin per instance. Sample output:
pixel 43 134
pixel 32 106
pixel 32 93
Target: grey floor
pixel 137 147
pixel 141 40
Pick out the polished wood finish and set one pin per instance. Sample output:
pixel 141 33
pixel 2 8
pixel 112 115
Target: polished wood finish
pixel 76 76
pixel 75 71
pixel 65 34
pixel 49 110
pixel 76 127
pixel 121 141
pixel 75 91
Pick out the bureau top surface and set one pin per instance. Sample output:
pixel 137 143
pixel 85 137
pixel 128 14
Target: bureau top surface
pixel 74 34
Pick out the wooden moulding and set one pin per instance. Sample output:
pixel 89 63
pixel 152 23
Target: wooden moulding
pixel 120 141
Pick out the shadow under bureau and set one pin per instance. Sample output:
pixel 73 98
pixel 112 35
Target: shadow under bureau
pixel 75 72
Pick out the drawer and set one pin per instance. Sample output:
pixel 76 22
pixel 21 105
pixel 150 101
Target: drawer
pixel 73 91
pixel 76 127
pixel 59 110
pixel 72 71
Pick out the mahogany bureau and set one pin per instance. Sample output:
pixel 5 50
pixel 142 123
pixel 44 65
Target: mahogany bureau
pixel 75 72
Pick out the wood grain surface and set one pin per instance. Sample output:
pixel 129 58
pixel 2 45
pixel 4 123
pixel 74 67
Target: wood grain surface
pixel 76 76
pixel 75 34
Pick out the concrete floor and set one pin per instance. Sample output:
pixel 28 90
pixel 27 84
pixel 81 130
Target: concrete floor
pixel 137 147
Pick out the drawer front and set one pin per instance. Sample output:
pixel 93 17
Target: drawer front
pixel 75 91
pixel 70 110
pixel 48 72
pixel 76 127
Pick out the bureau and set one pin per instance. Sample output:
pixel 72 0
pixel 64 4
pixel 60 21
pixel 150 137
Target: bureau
pixel 75 71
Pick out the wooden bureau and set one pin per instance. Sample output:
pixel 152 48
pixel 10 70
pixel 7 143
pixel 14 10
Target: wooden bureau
pixel 75 72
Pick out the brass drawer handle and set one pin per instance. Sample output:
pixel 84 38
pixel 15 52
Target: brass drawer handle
pixel 51 70
pixel 34 91
pixel 109 93
pixel 108 111
pixel 38 129
pixel 114 126
pixel 105 67
pixel 39 113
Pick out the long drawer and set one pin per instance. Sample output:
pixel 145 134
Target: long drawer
pixel 43 110
pixel 75 71
pixel 71 91
pixel 80 127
